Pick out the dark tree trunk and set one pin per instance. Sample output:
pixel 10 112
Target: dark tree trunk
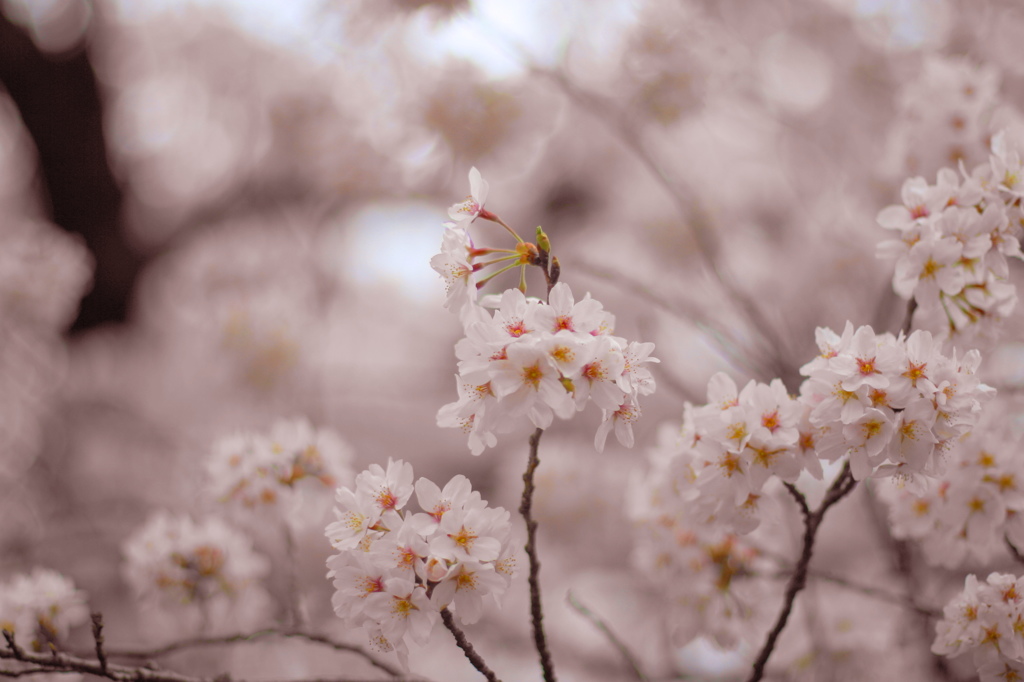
pixel 60 104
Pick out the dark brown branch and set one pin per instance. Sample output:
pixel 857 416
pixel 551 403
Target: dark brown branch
pixel 185 644
pixel 536 612
pixel 631 660
pixel 467 648
pixel 4 672
pixel 97 636
pixel 55 661
pixel 843 484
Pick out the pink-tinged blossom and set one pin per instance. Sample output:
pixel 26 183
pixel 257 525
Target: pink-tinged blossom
pixel 465 212
pixel 621 422
pixel 469 586
pixel 562 313
pixel 527 382
pixel 454 266
pixel 455 548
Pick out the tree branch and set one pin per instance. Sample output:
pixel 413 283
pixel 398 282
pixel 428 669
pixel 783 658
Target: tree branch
pixel 842 486
pixel 536 612
pixel 55 661
pixel 634 664
pixel 467 648
pixel 240 638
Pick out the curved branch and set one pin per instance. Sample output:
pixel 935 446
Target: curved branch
pixel 55 661
pixel 631 660
pixel 841 487
pixel 467 648
pixel 536 612
pixel 247 637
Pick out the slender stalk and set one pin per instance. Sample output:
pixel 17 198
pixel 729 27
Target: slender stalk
pixel 487 215
pixel 495 261
pixel 840 487
pixel 467 648
pixel 97 636
pixel 624 651
pixel 536 612
pixel 494 274
pixel 249 637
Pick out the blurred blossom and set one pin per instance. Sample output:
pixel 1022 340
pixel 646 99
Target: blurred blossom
pixel 287 475
pixel 40 608
pixel 195 577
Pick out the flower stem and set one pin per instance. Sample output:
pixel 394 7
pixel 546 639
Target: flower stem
pixel 467 648
pixel 840 487
pixel 536 613
pixel 495 219
pixel 491 276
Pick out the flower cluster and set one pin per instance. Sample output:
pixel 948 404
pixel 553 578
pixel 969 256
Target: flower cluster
pixel 532 359
pixel 207 574
pixel 535 360
pixel 892 405
pixel 955 238
pixel 293 465
pixel 977 503
pixel 40 608
pixel 737 441
pixel 986 620
pixel 395 570
pixel 701 569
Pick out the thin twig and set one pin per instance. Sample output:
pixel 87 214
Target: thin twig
pixel 460 638
pixel 97 636
pixel 4 672
pixel 525 508
pixel 251 637
pixel 843 484
pixel 634 664
pixel 55 661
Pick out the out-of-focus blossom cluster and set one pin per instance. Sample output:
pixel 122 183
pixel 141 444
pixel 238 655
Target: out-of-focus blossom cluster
pixel 291 471
pixel 946 115
pixel 892 405
pixel 396 569
pixel 955 238
pixel 979 501
pixel 40 608
pixel 196 576
pixel 987 621
pixel 533 359
pixel 702 569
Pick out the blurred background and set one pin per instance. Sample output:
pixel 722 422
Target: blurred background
pixel 217 214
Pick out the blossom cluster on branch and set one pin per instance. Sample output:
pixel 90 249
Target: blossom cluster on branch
pixel 396 569
pixel 986 620
pixel 955 238
pixel 531 359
